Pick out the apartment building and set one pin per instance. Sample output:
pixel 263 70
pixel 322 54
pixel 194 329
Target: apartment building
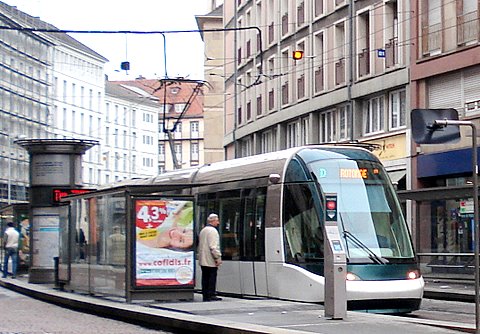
pixel 25 77
pixel 350 86
pixel 130 146
pixel 445 73
pixel 180 123
pixel 76 98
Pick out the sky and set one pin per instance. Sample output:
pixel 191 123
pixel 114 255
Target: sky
pixel 184 51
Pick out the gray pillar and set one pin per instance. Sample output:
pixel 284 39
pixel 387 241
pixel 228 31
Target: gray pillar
pixel 54 164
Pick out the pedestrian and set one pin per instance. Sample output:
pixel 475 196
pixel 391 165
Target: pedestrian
pixel 209 257
pixel 10 244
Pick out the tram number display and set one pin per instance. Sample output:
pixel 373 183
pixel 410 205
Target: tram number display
pixel 150 213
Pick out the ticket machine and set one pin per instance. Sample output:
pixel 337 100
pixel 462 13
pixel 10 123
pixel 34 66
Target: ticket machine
pixel 335 270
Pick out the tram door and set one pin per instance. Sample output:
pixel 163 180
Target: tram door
pixel 252 266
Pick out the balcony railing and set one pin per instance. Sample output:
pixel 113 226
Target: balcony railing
pixel 284 24
pixel 259 105
pixel 285 97
pixel 364 62
pixel 467 28
pixel 319 81
pixel 301 87
pixel 239 56
pixel 340 71
pixel 271 99
pixel 301 14
pixel 271 33
pixel 432 38
pixel 391 53
pixel 318 7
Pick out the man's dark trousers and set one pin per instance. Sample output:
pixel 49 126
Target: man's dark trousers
pixel 209 282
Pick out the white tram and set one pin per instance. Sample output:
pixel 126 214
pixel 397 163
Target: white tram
pixel 270 209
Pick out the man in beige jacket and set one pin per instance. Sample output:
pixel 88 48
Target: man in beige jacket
pixel 209 257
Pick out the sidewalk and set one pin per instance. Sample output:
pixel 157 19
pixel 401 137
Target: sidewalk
pixel 234 315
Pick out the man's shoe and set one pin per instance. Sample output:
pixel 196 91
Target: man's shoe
pixel 215 298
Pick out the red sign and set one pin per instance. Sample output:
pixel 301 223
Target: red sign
pixel 150 213
pixel 58 194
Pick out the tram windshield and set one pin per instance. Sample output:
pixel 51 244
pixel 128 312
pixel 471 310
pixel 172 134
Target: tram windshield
pixel 369 215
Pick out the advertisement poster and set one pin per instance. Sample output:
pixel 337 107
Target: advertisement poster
pixel 164 242
pixel 45 237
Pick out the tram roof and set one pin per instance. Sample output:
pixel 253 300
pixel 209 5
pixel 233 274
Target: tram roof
pixel 251 167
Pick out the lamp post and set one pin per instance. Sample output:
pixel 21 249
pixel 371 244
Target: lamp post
pixel 444 123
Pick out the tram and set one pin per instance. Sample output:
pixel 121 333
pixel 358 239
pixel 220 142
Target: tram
pixel 271 226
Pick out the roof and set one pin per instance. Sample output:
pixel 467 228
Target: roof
pixel 175 91
pixel 27 21
pixel 130 93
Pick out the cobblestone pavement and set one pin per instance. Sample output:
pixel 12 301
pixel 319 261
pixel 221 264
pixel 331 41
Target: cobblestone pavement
pixel 20 314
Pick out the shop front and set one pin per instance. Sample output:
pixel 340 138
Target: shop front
pixel 443 215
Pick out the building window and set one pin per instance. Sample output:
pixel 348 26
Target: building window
pixel 344 121
pixel 194 154
pixel 397 109
pixel 269 141
pixel 161 152
pixel 194 129
pixel 328 126
pixel 340 53
pixel 178 151
pixel 373 115
pixel 293 134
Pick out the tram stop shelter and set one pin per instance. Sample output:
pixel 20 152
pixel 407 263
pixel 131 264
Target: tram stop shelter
pixel 132 240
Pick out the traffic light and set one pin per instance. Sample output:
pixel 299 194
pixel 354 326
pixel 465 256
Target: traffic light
pixel 297 54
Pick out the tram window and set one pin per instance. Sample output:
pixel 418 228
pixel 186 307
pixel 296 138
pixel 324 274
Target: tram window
pixel 248 225
pixel 229 204
pixel 253 244
pixel 259 236
pixel 303 232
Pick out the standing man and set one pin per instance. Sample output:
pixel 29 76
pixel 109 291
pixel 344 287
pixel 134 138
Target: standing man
pixel 10 244
pixel 209 257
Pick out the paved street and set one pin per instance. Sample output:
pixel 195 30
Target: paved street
pixel 21 314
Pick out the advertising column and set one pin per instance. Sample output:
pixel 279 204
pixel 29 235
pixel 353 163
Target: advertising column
pixel 54 164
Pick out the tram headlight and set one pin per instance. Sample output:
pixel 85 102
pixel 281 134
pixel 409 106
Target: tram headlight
pixel 352 277
pixel 413 274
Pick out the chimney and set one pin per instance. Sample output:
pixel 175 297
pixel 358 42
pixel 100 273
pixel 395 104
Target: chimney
pixel 214 5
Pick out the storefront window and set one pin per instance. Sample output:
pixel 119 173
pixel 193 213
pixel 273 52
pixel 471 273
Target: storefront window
pixel 446 236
